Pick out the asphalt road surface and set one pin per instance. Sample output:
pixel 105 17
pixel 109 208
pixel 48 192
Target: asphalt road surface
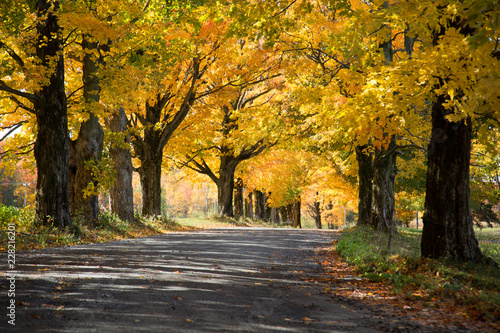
pixel 219 280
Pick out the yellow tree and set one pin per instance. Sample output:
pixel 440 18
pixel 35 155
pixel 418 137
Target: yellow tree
pixel 242 118
pixel 461 67
pixel 157 76
pixel 34 82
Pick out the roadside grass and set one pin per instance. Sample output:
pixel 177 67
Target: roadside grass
pixel 473 288
pixel 109 227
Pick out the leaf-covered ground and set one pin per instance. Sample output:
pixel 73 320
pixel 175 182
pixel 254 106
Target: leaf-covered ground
pixel 434 293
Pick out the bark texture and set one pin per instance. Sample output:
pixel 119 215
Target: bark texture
pixel 365 174
pixel 384 176
pixel 87 148
pixel 225 186
pixel 317 215
pixel 52 142
pixel 122 193
pixel 296 214
pixel 448 226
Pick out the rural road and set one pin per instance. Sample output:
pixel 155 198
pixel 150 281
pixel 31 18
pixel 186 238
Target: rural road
pixel 218 280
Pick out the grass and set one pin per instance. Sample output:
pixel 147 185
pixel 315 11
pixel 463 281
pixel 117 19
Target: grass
pixel 108 228
pixel 475 287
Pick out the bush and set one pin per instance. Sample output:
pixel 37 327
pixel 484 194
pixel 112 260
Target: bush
pixel 7 215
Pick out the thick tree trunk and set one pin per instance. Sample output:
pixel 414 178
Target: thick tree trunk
pixel 448 226
pixel 384 176
pixel 150 176
pixel 365 173
pixel 238 198
pixel 87 148
pixel 225 187
pixel 122 192
pixel 52 143
pixel 249 206
pixel 296 214
pixel 149 150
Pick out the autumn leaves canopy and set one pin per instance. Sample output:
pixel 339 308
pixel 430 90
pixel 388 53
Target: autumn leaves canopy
pixel 333 101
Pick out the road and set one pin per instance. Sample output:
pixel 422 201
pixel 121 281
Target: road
pixel 219 280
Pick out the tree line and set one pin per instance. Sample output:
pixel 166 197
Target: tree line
pixel 377 99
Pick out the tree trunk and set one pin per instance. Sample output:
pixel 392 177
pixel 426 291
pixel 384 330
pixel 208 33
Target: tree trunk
pixel 296 214
pixel 238 198
pixel 150 176
pixel 268 208
pixel 384 175
pixel 87 148
pixel 225 187
pixel 260 205
pixel 448 226
pixel 52 142
pixel 365 173
pixel 122 192
pixel 149 150
pixel 284 214
pixel 317 214
pixel 275 215
pixel 249 206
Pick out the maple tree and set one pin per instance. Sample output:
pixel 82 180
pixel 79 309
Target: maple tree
pixel 243 117
pixel 369 96
pixel 168 92
pixel 44 96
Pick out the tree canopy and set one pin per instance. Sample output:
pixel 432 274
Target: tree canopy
pixel 384 107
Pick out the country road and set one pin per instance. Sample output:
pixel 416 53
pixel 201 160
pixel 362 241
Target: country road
pixel 218 280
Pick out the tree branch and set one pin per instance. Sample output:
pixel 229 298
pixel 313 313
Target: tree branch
pixel 13 54
pixel 6 88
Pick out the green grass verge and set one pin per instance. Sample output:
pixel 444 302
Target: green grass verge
pixel 108 228
pixel 475 286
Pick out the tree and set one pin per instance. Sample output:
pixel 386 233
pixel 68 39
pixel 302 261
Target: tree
pixel 49 104
pixel 462 36
pixel 121 192
pixel 87 148
pixel 244 117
